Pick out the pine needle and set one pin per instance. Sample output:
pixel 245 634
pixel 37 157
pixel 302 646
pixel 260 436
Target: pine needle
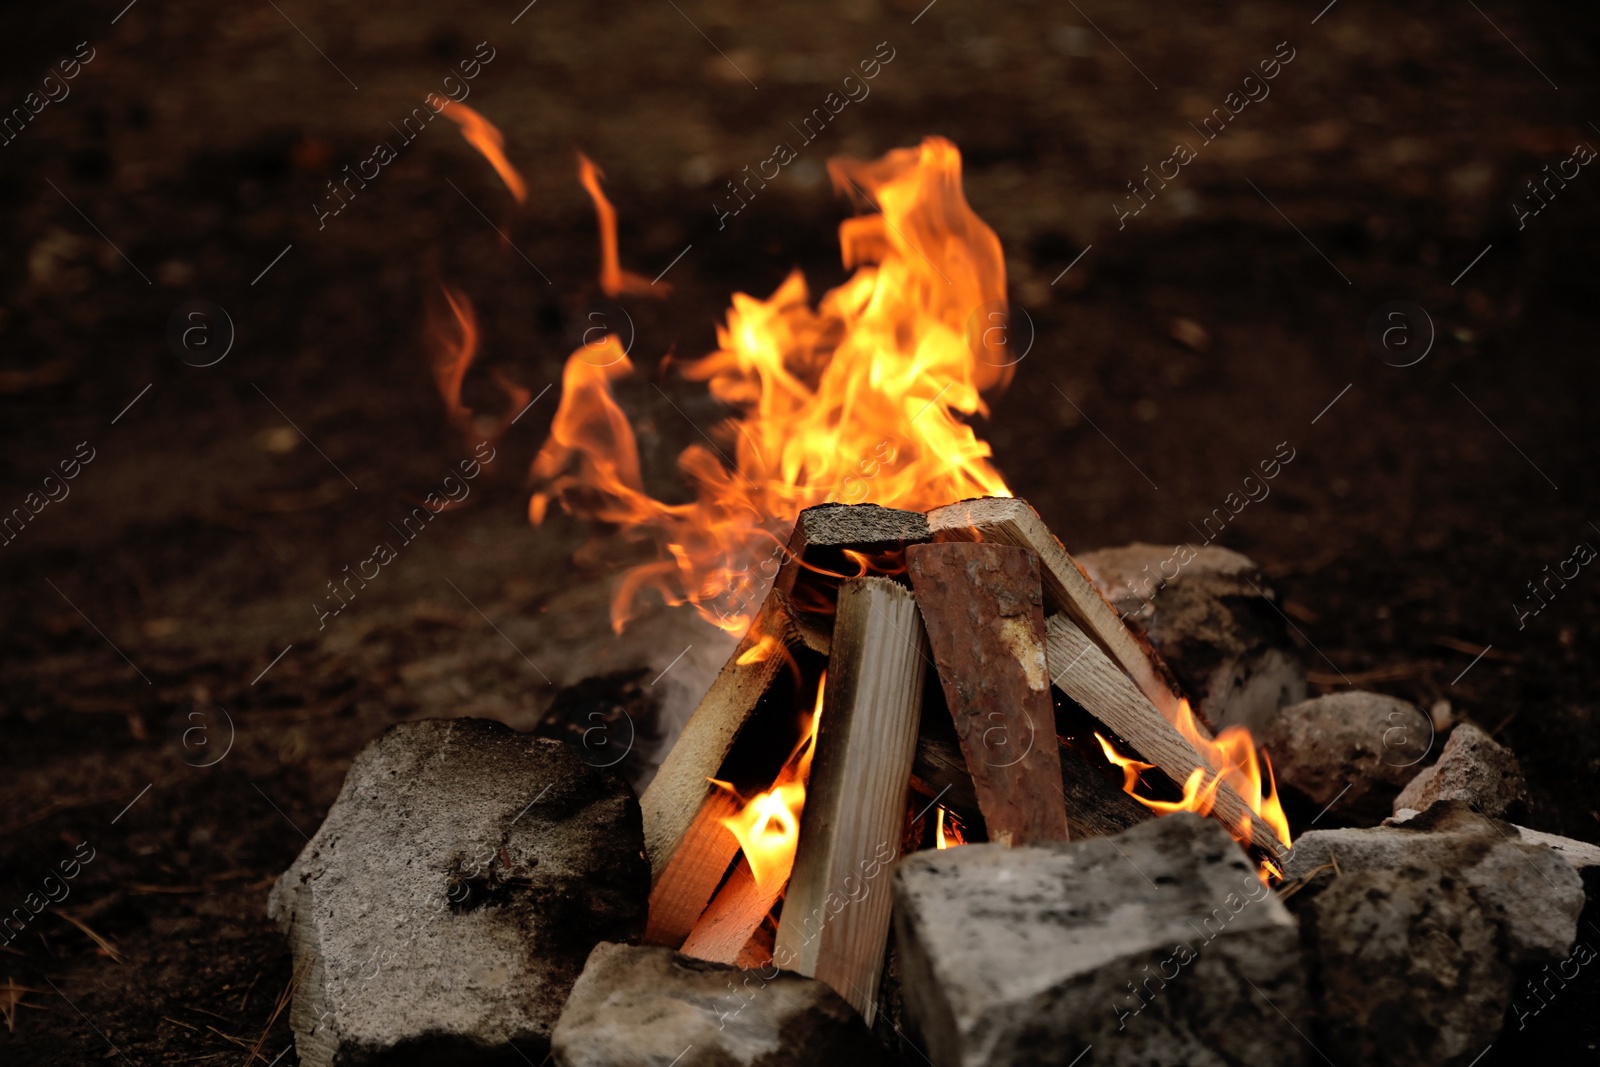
pixel 11 995
pixel 302 968
pixel 105 946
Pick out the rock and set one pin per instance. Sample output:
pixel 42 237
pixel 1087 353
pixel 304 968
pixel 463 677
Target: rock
pixel 1408 969
pixel 1473 769
pixel 450 898
pixel 1354 751
pixel 1156 945
pixel 1214 623
pixel 638 1006
pixel 1580 855
pixel 1529 889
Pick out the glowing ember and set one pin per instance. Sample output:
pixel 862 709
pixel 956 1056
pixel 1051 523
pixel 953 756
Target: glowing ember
pixel 613 279
pixel 768 826
pixel 481 134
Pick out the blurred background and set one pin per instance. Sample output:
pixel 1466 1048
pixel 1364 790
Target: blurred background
pixel 185 165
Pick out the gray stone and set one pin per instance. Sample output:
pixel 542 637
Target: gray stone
pixel 1529 889
pixel 637 1006
pixel 1581 855
pixel 1408 969
pixel 1350 753
pixel 1156 945
pixel 1473 769
pixel 1215 623
pixel 449 900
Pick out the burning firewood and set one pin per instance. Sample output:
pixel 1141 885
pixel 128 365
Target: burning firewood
pixel 728 924
pixel 692 872
pixel 836 913
pixel 689 849
pixel 1010 521
pixel 1082 670
pixel 837 539
pixel 681 787
pixel 1095 807
pixel 981 604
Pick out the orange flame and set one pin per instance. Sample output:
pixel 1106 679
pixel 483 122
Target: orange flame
pixel 865 397
pixel 1232 758
pixel 768 826
pixel 482 134
pixel 455 346
pixel 613 279
pixel 454 355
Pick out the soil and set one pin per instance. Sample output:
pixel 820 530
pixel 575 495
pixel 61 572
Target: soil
pixel 171 696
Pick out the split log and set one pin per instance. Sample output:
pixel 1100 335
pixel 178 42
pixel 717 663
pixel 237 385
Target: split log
pixel 836 912
pixel 982 606
pixel 1011 521
pixel 821 535
pixel 733 917
pixel 1080 669
pixel 679 790
pixel 693 872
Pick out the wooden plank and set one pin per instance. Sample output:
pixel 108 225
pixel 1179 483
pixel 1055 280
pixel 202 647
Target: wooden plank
pixel 821 534
pixel 835 921
pixel 1082 670
pixel 733 917
pixel 679 789
pixel 693 872
pixel 1011 521
pixel 982 606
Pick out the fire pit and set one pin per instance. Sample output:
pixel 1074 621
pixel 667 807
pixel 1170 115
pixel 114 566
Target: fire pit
pixel 680 563
pixel 920 727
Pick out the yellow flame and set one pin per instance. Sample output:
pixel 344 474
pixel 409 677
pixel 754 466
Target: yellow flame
pixel 947 839
pixel 768 825
pixel 866 397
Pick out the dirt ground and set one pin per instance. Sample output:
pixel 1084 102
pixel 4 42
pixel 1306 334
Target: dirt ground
pixel 166 694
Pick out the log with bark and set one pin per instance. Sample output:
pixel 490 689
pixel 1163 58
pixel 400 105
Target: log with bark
pixel 982 605
pixel 1010 521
